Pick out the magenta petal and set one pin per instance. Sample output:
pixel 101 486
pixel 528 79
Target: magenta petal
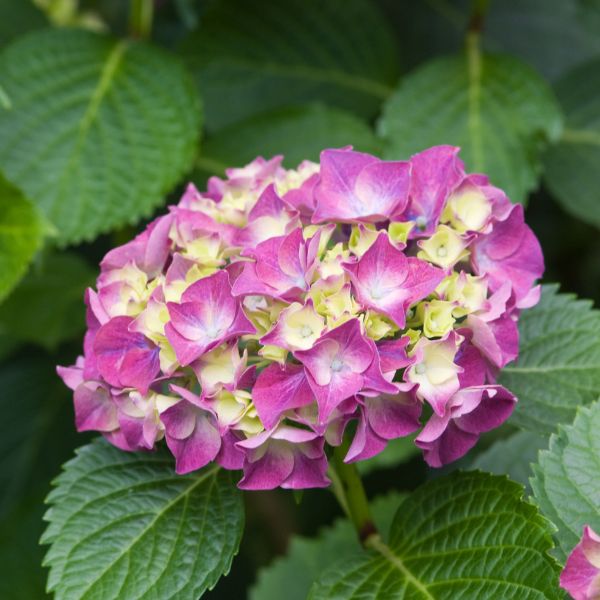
pixel 279 389
pixel 366 443
pixel 230 456
pixel 497 340
pixel 356 186
pixel 581 575
pixel 450 446
pixel 95 409
pixel 496 404
pixel 393 416
pixel 309 471
pixel 270 470
pixel 511 252
pixel 435 172
pixel 192 436
pixel 387 281
pixel 125 358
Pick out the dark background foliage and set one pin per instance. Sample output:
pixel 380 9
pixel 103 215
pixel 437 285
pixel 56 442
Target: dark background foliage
pixel 516 83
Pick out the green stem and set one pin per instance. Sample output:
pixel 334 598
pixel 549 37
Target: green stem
pixel 348 489
pixel 140 18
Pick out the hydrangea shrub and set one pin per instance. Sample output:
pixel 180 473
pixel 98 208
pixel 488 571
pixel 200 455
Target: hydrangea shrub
pixel 282 311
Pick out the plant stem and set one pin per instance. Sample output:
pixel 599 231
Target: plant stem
pixel 348 489
pixel 140 18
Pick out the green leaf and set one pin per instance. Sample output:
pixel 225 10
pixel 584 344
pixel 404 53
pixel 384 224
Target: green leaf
pixel 47 306
pixel 99 129
pixel 495 107
pixel 125 525
pixel 469 535
pixel 571 167
pixel 251 57
pixel 21 233
pixel 558 368
pixel 291 576
pixel 299 133
pixel 511 456
pixel 548 34
pixel 566 482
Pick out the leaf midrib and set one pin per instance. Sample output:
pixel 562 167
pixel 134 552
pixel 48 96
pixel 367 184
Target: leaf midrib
pixel 376 543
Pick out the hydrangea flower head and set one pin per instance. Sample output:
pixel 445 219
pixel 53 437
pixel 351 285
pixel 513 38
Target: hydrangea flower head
pixel 262 321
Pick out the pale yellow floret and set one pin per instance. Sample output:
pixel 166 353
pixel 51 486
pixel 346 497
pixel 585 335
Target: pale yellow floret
pixel 236 409
pixel 274 353
pixel 398 231
pixel 217 366
pixel 331 264
pixel 301 326
pixel 206 250
pixel 414 336
pixel 294 178
pixel 378 326
pixel 467 292
pixel 437 318
pixel 436 367
pixel 467 210
pixel 133 293
pixel 444 248
pixel 362 238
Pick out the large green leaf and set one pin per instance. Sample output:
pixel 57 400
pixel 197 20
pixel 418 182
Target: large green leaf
pixel 125 525
pixel 495 107
pixel 466 536
pixel 21 233
pixel 47 306
pixel 558 368
pixel 299 133
pixel 549 34
pixel 511 456
pixel 292 575
pixel 99 129
pixel 250 57
pixel 566 484
pixel 571 167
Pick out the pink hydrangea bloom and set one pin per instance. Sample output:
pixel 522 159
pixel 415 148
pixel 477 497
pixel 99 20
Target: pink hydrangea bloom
pixel 581 575
pixel 283 310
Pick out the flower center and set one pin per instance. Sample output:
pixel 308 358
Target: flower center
pixel 420 369
pixel 305 331
pixel 442 251
pixel 336 365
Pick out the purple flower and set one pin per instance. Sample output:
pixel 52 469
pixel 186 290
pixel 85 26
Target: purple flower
pixel 283 267
pixel 435 173
pixel 278 389
pixel 192 435
pixel 125 358
pixel 388 281
pixel 359 187
pixel 581 575
pixel 336 365
pixel 207 316
pixel 511 252
pixel 382 418
pixel 470 412
pixel 285 457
